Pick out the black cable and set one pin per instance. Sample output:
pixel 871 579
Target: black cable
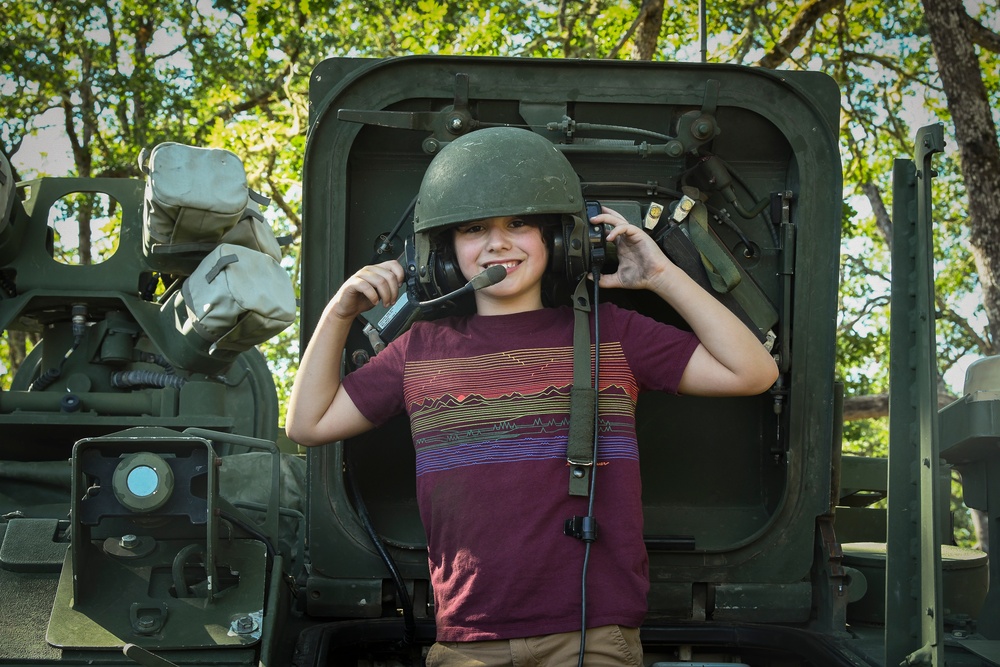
pixel 409 621
pixel 137 378
pixel 158 359
pixel 49 377
pixel 593 471
pixel 177 568
pixel 386 241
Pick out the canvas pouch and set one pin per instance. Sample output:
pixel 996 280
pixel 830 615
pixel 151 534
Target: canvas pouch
pixel 695 247
pixel 193 197
pixel 237 298
pixel 253 232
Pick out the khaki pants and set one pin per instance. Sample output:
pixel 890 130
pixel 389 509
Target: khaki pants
pixel 607 646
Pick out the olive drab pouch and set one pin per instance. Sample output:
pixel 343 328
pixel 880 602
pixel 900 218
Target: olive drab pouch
pixel 694 246
pixel 193 197
pixel 237 298
pixel 253 232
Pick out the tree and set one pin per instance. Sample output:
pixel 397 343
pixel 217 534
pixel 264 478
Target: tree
pixel 962 77
pixel 139 72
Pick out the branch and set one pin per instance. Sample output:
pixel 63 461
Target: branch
pixel 877 405
pixel 982 344
pixel 286 208
pixel 891 65
pixel 869 306
pixel 631 30
pixel 865 269
pixel 882 219
pixel 980 34
pixel 801 25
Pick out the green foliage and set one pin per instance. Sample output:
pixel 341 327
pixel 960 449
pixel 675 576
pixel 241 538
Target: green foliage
pixel 235 74
pixel 6 374
pixel 862 330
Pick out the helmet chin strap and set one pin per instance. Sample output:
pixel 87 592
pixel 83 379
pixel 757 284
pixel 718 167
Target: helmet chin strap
pixel 580 450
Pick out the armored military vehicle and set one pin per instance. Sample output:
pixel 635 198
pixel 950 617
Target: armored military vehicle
pixel 153 513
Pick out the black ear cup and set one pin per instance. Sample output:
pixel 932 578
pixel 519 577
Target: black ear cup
pixel 558 258
pixel 447 276
pixel 570 247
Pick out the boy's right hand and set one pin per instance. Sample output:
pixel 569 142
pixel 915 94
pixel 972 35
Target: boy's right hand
pixel 370 285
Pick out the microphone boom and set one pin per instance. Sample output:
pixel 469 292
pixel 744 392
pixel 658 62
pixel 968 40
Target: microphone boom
pixel 490 276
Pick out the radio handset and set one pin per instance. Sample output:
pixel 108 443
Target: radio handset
pixel 407 309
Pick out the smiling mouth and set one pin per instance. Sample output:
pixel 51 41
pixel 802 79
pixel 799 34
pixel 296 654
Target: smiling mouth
pixel 510 264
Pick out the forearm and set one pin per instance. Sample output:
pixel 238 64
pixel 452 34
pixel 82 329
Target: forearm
pixel 730 360
pixel 744 365
pixel 317 381
pixel 319 410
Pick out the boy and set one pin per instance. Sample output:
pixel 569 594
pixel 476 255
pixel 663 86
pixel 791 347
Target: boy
pixel 488 401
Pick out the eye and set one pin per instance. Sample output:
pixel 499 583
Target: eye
pixel 472 228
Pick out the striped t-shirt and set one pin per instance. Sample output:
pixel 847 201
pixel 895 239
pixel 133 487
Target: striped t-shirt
pixel 488 402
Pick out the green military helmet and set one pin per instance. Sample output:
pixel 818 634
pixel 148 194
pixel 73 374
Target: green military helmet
pixel 495 172
pixel 500 171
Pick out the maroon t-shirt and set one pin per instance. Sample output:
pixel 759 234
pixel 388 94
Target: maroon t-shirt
pixel 488 401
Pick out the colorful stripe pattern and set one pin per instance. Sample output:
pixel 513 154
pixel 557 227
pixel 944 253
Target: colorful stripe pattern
pixel 465 412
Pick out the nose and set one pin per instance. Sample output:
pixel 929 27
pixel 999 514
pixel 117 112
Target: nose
pixel 498 238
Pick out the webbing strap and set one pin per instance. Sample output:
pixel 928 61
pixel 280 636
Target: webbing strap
pixel 722 271
pixel 220 265
pixel 580 449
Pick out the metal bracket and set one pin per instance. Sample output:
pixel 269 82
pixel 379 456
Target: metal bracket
pixel 444 125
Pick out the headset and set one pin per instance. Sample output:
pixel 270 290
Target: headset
pixel 434 283
pixel 574 247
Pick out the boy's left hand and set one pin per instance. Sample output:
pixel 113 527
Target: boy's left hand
pixel 640 260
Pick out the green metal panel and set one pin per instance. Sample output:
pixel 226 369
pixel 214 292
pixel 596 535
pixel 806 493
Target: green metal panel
pixel 128 562
pixel 742 491
pixel 914 623
pixel 970 440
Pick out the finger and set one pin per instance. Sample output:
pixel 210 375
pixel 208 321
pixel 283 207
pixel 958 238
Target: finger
pixel 395 268
pixel 386 284
pixel 376 283
pixel 609 216
pixel 621 228
pixel 610 281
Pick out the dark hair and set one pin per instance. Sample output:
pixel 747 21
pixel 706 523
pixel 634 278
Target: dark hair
pixel 443 244
pixel 443 247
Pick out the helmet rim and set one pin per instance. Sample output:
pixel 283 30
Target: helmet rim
pixel 493 172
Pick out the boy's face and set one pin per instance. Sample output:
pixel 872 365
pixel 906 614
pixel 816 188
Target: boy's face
pixel 511 241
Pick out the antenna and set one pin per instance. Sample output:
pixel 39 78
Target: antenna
pixel 703 29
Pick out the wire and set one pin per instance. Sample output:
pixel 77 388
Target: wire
pixel 177 568
pixel 593 472
pixel 385 244
pixel 409 621
pixel 137 378
pixel 255 532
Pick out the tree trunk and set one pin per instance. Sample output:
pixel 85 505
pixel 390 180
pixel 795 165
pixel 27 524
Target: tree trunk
pixel 976 134
pixel 647 34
